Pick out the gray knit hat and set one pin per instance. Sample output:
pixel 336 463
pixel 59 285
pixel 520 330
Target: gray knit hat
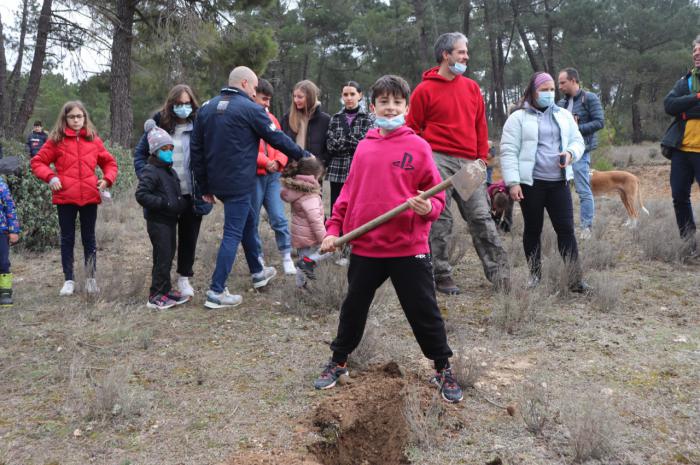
pixel 157 137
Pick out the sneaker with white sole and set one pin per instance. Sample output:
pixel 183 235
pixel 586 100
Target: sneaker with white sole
pixel 68 288
pixel 288 266
pixel 184 286
pixel 160 302
pixel 263 277
pixel 177 297
pixel 222 299
pixel 91 286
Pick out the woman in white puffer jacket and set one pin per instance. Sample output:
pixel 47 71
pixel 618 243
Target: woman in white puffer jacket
pixel 540 141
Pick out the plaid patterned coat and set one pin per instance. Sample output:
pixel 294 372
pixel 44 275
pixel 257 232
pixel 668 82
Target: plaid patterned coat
pixel 342 140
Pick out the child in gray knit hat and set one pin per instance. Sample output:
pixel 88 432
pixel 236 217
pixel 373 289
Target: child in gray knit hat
pixel 159 193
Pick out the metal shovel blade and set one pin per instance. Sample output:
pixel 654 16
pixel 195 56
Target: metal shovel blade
pixel 469 177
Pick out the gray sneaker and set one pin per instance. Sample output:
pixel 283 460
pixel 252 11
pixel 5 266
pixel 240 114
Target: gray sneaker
pixel 222 299
pixel 263 277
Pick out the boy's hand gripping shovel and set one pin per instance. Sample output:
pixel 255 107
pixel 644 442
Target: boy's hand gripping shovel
pixel 465 181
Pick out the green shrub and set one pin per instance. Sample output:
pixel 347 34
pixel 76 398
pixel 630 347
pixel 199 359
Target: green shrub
pixel 32 196
pixel 600 161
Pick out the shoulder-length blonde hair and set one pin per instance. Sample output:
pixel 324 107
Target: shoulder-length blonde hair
pixel 58 133
pixel 312 93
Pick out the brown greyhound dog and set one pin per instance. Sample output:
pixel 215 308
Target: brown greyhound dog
pixel 626 185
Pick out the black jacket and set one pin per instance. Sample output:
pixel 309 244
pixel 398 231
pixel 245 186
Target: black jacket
pixel 36 140
pixel 159 192
pixel 591 117
pixel 315 133
pixel 682 105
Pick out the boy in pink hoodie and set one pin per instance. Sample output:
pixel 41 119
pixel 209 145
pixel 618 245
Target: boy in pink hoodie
pixel 391 165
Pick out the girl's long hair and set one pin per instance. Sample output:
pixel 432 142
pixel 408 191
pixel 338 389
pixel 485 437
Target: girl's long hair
pixel 312 93
pixel 307 166
pixel 58 132
pixel 167 116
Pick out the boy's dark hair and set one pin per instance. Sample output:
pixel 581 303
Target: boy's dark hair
pixel 499 202
pixel 352 84
pixel 37 123
pixel 308 166
pixel 390 84
pixel 571 74
pixel 264 87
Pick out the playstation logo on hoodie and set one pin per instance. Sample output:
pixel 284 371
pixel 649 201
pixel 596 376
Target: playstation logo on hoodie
pixel 405 163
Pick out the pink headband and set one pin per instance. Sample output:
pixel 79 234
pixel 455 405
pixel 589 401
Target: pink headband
pixel 542 78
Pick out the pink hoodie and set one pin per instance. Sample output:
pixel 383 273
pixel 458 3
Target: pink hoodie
pixel 385 172
pixel 303 192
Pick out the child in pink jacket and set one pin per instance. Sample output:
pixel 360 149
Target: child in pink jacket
pixel 302 189
pixel 391 165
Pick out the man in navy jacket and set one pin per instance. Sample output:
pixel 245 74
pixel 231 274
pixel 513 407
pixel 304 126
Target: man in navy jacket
pixel 223 150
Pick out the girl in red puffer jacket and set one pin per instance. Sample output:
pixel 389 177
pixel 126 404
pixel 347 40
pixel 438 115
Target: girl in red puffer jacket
pixel 75 150
pixel 302 189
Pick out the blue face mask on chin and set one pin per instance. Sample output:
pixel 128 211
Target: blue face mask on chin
pixel 390 124
pixel 182 111
pixel 545 99
pixel 166 156
pixel 458 68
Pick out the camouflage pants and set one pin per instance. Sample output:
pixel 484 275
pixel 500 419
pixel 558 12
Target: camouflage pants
pixel 476 212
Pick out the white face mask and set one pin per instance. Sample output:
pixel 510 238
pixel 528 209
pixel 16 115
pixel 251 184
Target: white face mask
pixel 390 124
pixel 458 68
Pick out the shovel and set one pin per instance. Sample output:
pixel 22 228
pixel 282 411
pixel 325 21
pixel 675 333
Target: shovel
pixel 465 181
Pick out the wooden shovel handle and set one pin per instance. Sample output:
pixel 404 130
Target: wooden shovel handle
pixel 370 225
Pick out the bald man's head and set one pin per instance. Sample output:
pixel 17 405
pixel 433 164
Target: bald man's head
pixel 243 78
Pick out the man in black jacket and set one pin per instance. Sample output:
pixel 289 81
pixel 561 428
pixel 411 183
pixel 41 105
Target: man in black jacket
pixel 588 113
pixel 223 151
pixel 36 139
pixel 681 144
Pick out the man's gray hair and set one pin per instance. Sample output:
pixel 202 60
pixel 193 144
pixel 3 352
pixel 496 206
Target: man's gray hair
pixel 696 41
pixel 446 43
pixel 240 74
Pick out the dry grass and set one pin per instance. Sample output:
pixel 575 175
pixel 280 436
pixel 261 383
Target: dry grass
pixel 321 296
pixel 658 237
pixel 516 310
pixel 535 406
pixel 592 428
pixel 371 348
pixel 425 422
pixel 468 367
pixel 607 291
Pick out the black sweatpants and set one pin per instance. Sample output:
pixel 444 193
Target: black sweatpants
pixel 555 197
pixel 67 215
pixel 412 278
pixel 162 237
pixel 336 187
pixel 188 225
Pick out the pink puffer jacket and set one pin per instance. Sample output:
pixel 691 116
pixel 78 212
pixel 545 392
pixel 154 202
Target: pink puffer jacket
pixel 303 192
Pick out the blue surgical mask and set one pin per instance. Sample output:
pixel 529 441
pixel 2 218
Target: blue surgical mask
pixel 458 68
pixel 545 99
pixel 166 156
pixel 390 124
pixel 182 111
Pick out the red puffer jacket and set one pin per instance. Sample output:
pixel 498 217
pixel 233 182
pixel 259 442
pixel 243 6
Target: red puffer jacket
pixel 75 159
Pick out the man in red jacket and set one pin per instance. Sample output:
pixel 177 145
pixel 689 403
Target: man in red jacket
pixel 447 110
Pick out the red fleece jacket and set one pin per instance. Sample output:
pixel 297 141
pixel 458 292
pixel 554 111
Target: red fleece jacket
pixel 385 172
pixel 450 115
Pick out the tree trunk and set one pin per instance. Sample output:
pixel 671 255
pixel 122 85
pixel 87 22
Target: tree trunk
pixel 466 17
pixel 636 116
pixel 514 4
pixel 3 77
pixel 549 38
pixel 496 52
pixel 120 77
pixel 423 52
pixel 26 107
pixel 9 111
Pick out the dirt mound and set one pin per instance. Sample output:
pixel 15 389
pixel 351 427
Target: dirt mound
pixel 364 422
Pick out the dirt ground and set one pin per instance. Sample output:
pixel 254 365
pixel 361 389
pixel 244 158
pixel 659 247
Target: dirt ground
pixel 106 381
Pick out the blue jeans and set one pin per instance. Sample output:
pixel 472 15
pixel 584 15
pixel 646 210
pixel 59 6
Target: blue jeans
pixel 239 228
pixel 582 181
pixel 267 193
pixel 685 168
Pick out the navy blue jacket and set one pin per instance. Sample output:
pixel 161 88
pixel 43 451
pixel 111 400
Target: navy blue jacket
pixel 591 118
pixel 36 140
pixel 682 105
pixel 225 140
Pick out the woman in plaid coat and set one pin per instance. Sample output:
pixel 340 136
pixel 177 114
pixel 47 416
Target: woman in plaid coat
pixel 346 129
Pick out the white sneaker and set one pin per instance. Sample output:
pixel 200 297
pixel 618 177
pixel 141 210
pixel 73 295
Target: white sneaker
pixel 262 278
pixel 585 234
pixel 222 299
pixel 68 288
pixel 288 265
pixel 91 286
pixel 183 285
